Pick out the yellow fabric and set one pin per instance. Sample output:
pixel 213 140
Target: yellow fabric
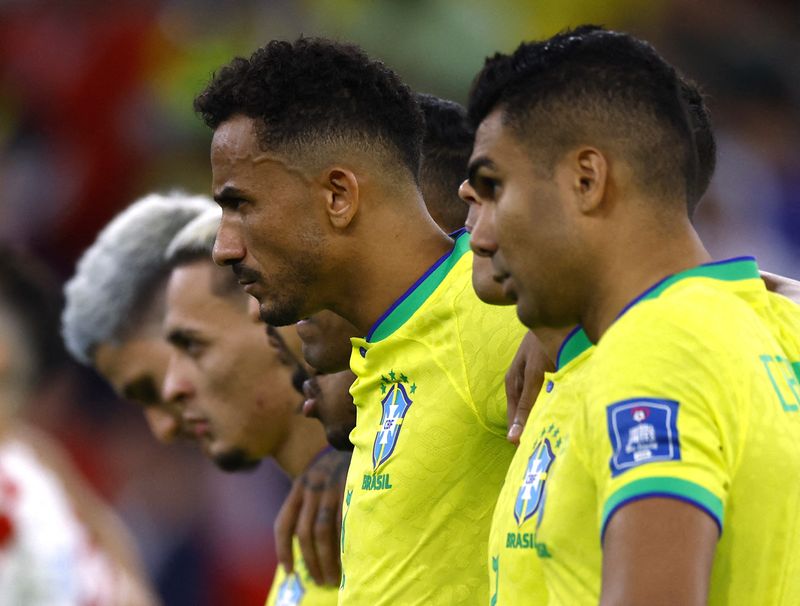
pixel 298 588
pixel 415 528
pixel 516 577
pixel 713 357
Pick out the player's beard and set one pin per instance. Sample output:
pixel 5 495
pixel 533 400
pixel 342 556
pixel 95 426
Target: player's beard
pixel 234 460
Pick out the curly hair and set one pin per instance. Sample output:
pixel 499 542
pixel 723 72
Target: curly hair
pixel 605 85
pixel 446 148
pixel 315 90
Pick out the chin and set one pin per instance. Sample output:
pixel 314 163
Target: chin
pixel 339 438
pixel 235 460
pixel 279 316
pixel 527 316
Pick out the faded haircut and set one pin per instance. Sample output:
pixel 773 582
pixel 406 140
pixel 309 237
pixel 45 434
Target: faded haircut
pixel 115 277
pixel 590 84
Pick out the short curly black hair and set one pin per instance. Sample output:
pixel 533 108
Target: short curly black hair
pixel 446 148
pixel 595 83
pixel 313 90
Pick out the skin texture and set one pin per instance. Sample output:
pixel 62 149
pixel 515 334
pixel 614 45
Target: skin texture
pixel 328 399
pixel 236 394
pixel 583 218
pixel 268 233
pixel 483 282
pixel 677 554
pixel 326 341
pixel 135 369
pixel 313 512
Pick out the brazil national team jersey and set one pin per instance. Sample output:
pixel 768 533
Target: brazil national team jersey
pixel 298 588
pixel 692 394
pixel 430 449
pixel 515 547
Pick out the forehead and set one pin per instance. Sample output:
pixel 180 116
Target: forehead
pixel 490 133
pixel 497 146
pixel 190 297
pixel 235 139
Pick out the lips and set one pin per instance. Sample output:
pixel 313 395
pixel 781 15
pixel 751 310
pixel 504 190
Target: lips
pixel 311 392
pixel 198 427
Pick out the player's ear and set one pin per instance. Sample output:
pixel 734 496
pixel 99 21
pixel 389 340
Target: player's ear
pixel 589 177
pixel 341 196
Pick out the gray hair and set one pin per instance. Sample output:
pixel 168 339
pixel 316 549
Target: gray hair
pixel 196 239
pixel 116 271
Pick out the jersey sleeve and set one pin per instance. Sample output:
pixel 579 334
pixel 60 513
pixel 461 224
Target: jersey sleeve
pixel 660 411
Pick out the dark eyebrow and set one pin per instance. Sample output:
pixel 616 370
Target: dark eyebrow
pixel 228 194
pixel 475 165
pixel 141 389
pixel 180 337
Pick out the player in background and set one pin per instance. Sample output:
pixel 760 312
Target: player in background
pixel 235 393
pixel 315 159
pixel 584 162
pixel 59 543
pixel 114 304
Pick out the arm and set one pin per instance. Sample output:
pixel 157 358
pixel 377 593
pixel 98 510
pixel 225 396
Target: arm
pixel 658 551
pixel 313 511
pixel 782 285
pixel 536 355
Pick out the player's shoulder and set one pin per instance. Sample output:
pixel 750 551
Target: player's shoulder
pixel 696 310
pixel 695 320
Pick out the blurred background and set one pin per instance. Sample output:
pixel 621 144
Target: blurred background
pixel 95 111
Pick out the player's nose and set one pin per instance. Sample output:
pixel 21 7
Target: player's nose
pixel 482 233
pixel 229 245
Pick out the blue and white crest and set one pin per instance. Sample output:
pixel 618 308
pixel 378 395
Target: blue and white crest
pixel 291 592
pixel 395 406
pixel 642 430
pixel 531 492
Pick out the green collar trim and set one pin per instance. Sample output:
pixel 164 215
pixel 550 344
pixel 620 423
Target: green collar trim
pixel 418 293
pixel 574 345
pixel 729 270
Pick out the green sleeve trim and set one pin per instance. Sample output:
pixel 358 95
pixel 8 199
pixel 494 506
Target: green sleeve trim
pixel 675 488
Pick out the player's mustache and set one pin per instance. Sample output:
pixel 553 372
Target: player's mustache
pixel 245 274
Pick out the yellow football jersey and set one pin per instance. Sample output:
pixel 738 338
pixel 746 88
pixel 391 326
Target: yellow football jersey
pixel 298 588
pixel 691 394
pixel 430 449
pixel 514 543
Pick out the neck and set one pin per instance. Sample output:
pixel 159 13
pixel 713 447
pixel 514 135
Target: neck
pixel 390 258
pixel 551 340
pixel 618 281
pixel 304 440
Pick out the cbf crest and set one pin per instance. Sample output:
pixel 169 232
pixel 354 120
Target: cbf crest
pixel 291 592
pixel 531 495
pixel 396 401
